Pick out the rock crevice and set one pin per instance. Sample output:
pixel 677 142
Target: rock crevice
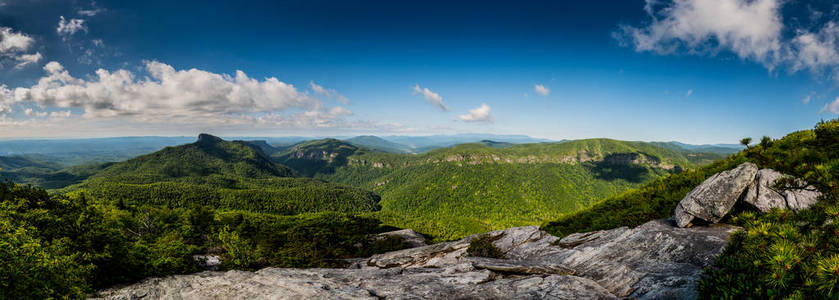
pixel 717 195
pixel 654 260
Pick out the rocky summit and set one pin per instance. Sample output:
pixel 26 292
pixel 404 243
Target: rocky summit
pixel 656 260
pixel 717 195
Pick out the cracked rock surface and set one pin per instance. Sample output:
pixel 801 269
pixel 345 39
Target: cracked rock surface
pixel 717 195
pixel 656 260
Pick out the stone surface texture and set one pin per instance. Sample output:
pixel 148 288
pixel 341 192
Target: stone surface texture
pixel 656 260
pixel 711 200
pixel 717 195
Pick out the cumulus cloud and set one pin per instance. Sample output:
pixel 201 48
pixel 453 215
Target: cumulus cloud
pixel 331 93
pixel 753 30
pixel 15 48
pixel 479 114
pixel 67 28
pixel 817 51
pixel 11 41
pixel 170 96
pixel 541 89
pixel 431 97
pixel 832 107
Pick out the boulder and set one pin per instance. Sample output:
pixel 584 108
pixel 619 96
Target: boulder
pixel 653 261
pixel 711 200
pixel 763 196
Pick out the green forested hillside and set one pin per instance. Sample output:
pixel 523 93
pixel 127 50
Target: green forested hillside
pixel 64 247
pixel 777 255
pixel 220 174
pixel 470 188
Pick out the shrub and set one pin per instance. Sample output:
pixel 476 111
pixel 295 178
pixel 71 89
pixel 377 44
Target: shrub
pixel 483 246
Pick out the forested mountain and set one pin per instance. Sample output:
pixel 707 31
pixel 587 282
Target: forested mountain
pixel 471 188
pixel 779 255
pixel 221 174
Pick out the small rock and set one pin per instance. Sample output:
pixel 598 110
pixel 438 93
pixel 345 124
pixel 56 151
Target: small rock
pixel 411 237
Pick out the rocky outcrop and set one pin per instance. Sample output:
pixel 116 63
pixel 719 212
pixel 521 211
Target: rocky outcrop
pixel 717 195
pixel 409 236
pixel 653 261
pixel 711 200
pixel 761 195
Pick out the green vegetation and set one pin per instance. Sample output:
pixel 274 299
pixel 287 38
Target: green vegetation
pixel 784 255
pixel 55 246
pixel 778 255
pixel 51 178
pixel 654 200
pixel 482 246
pixel 223 175
pixel 473 188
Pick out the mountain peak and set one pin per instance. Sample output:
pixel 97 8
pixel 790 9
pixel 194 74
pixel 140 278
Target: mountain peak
pixel 205 138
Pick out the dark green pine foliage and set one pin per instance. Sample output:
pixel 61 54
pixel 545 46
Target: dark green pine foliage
pixel 223 175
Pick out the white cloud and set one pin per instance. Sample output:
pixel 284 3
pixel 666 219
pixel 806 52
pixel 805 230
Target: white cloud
pixel 68 28
pixel 318 89
pixel 817 51
pixel 173 96
pixel 480 114
pixel 14 48
pixel 751 29
pixel 31 113
pixel 688 93
pixel 28 59
pixel 832 107
pixel 11 41
pixel 541 89
pixel 431 97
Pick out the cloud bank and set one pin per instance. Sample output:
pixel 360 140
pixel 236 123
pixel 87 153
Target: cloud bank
pixel 169 96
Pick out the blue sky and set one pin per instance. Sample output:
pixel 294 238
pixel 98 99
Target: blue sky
pixel 688 70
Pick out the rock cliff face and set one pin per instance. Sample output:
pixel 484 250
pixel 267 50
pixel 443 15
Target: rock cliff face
pixel 653 261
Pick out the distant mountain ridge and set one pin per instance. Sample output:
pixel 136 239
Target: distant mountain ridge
pixel 473 187
pixel 379 144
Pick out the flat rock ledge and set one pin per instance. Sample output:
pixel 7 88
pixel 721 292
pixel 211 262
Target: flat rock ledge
pixel 656 260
